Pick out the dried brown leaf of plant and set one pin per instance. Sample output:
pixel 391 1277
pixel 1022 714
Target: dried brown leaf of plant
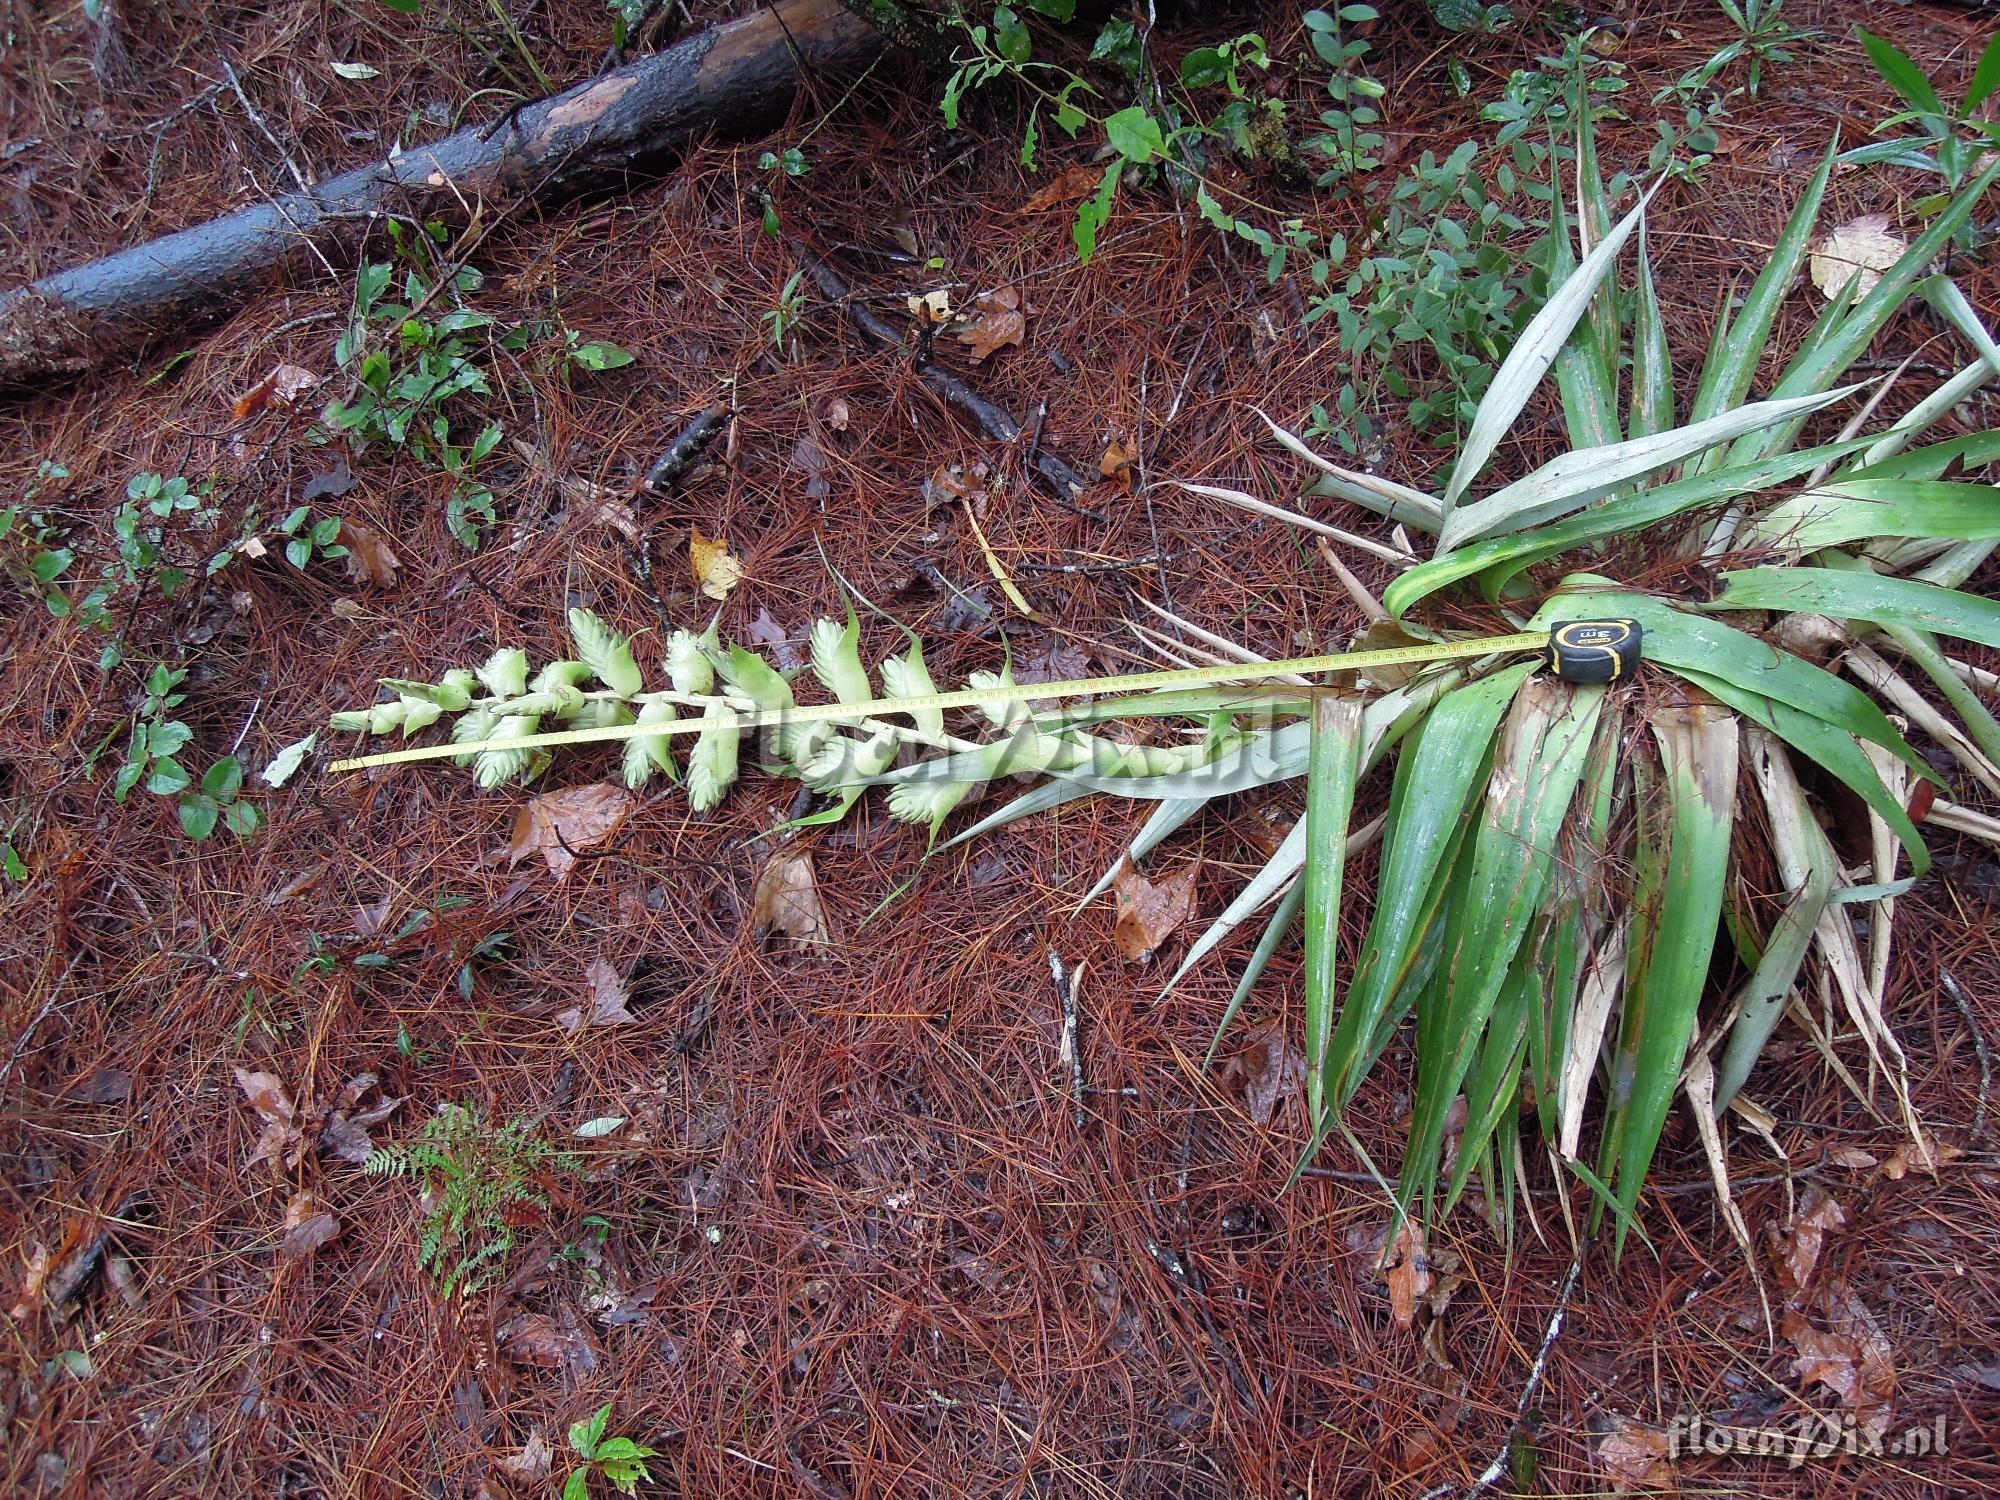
pixel 369 555
pixel 1148 911
pixel 283 386
pixel 345 1134
pixel 997 319
pixel 1852 1358
pixel 609 1000
pixel 559 825
pixel 1635 1456
pixel 1409 1273
pixel 1071 186
pixel 787 899
pixel 281 1137
pixel 1796 1247
pixel 307 1226
pixel 1119 456
pixel 716 570
pixel 1268 1070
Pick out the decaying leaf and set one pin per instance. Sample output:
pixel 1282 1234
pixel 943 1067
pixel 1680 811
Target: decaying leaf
pixel 1267 1070
pixel 1078 182
pixel 369 556
pixel 307 1227
pixel 531 1462
pixel 280 1137
pixel 533 1338
pixel 1861 250
pixel 1852 1359
pixel 1148 912
pixel 716 570
pixel 997 319
pixel 345 1133
pixel 1409 1273
pixel 609 1000
pixel 284 385
pixel 1796 1247
pixel 1634 1456
pixel 558 825
pixel 1119 456
pixel 787 899
pixel 34 1279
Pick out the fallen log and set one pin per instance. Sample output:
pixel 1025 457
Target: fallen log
pixel 730 80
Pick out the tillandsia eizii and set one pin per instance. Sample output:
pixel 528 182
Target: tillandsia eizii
pixel 1565 879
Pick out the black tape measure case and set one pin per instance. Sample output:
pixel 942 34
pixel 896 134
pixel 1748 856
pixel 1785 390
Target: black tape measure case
pixel 1594 650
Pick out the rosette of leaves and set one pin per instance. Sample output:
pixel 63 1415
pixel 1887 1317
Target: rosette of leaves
pixel 1560 863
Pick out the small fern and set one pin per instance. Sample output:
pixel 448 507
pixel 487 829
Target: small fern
pixel 477 1178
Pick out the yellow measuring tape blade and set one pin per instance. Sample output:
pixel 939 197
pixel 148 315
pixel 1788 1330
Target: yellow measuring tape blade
pixel 1020 692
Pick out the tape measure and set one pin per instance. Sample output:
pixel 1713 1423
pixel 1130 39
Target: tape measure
pixel 1594 650
pixel 1580 651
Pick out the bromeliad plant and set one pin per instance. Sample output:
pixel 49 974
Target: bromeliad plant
pixel 1558 862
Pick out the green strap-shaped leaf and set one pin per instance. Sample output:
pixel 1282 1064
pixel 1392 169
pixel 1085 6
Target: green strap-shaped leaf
pixel 1616 517
pixel 1652 405
pixel 1690 643
pixel 1536 766
pixel 1823 359
pixel 1332 771
pixel 1536 349
pixel 1853 510
pixel 1737 346
pixel 1427 816
pixel 1581 476
pixel 1863 596
pixel 1495 1081
pixel 1586 367
pixel 1673 938
pixel 1830 748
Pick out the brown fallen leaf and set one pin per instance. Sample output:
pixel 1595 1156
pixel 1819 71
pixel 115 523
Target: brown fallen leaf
pixel 284 385
pixel 1076 183
pixel 1898 1166
pixel 34 1279
pixel 1148 912
pixel 1119 456
pixel 1853 1359
pixel 997 319
pixel 1851 1157
pixel 609 1000
pixel 1796 1247
pixel 1635 1456
pixel 532 1338
pixel 556 825
pixel 281 1137
pixel 368 554
pixel 715 570
pixel 307 1227
pixel 345 1133
pixel 531 1462
pixel 787 899
pixel 1409 1273
pixel 1267 1070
